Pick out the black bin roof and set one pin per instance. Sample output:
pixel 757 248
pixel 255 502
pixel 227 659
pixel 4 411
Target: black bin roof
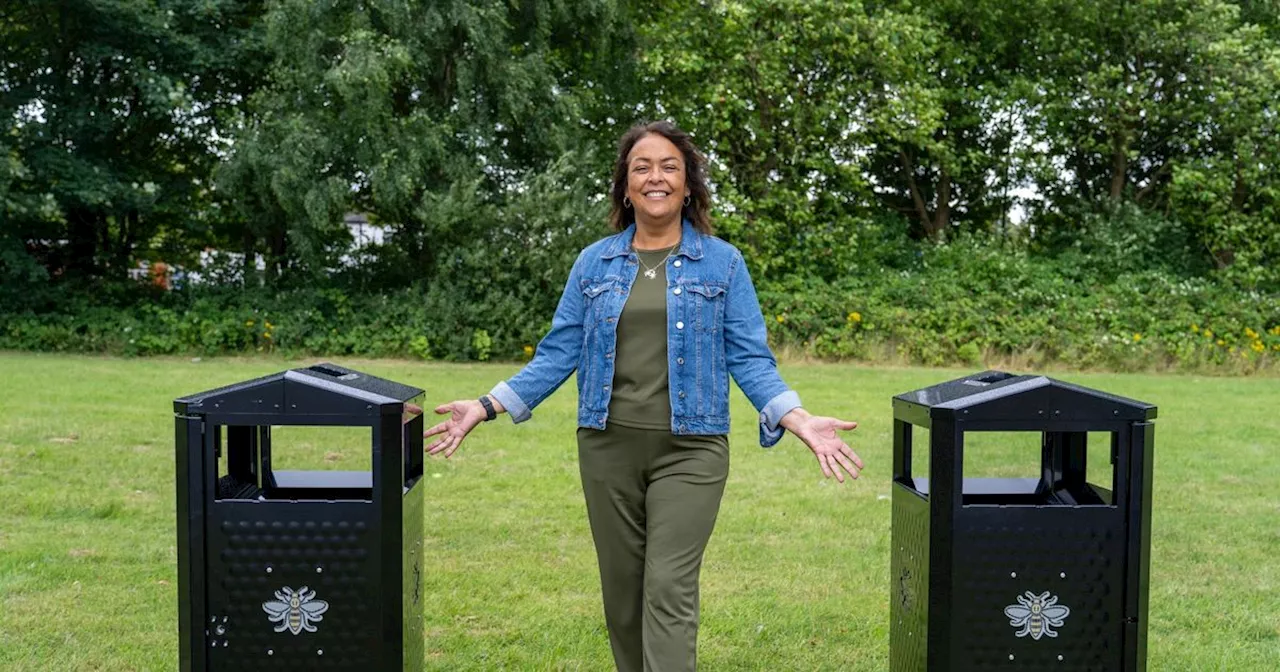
pixel 999 396
pixel 323 389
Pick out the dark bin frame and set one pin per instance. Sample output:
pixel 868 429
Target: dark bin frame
pixel 355 538
pixel 962 548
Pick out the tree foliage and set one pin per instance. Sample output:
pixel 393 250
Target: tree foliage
pixel 845 138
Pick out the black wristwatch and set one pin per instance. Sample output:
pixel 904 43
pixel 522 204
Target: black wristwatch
pixel 489 413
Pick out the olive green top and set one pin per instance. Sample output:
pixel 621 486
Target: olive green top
pixel 640 397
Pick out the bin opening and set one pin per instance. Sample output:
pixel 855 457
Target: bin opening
pixel 336 373
pixel 1019 492
pixel 1070 468
pixel 993 377
pixel 293 462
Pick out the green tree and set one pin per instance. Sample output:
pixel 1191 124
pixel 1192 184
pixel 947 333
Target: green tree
pixel 426 116
pixel 779 94
pixel 114 111
pixel 945 139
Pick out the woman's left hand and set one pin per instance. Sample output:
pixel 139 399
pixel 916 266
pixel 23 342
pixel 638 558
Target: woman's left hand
pixel 819 433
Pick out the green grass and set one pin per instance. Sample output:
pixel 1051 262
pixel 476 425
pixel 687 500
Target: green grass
pixel 796 576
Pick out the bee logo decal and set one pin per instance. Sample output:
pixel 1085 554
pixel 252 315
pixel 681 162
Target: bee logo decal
pixel 1037 615
pixel 295 611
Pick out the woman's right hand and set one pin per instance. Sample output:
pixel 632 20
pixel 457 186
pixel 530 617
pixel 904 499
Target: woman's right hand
pixel 464 415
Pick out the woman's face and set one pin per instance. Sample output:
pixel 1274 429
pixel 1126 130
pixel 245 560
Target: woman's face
pixel 655 179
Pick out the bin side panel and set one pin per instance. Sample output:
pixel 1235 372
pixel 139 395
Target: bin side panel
pixel 328 548
pixel 909 572
pixel 1018 567
pixel 189 463
pixel 1141 464
pixel 412 598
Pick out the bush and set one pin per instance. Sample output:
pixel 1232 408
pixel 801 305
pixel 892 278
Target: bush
pixel 960 304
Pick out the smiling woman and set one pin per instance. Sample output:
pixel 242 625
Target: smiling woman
pixel 654 351
pixel 659 160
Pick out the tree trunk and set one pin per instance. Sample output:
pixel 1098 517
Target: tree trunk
pixel 922 210
pixel 249 268
pixel 1119 167
pixel 279 248
pixel 82 241
pixel 942 217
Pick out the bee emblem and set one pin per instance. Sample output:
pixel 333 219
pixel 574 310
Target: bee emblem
pixel 295 611
pixel 1037 615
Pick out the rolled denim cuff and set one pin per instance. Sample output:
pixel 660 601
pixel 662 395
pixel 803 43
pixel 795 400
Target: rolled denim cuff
pixel 511 401
pixel 770 431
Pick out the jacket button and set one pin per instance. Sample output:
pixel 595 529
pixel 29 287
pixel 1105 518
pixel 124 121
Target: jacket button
pixel 608 355
pixel 677 263
pixel 676 291
pixel 682 394
pixel 606 388
pixel 610 320
pixel 679 360
pixel 679 325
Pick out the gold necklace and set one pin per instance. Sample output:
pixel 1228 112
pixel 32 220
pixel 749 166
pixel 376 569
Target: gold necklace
pixel 652 273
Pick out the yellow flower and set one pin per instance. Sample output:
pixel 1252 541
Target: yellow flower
pixel 782 318
pixel 1258 346
pixel 1276 347
pixel 1137 337
pixel 855 316
pixel 266 335
pixel 1208 333
pixel 528 351
pixel 1275 331
pixel 1195 328
pixel 248 323
pixel 1221 342
pixel 268 324
pixel 1250 333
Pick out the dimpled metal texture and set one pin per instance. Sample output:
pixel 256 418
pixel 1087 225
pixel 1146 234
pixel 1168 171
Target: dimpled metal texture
pixel 909 598
pixel 260 554
pixel 1074 554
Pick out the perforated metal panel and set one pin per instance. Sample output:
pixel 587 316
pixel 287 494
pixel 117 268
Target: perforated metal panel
pixel 909 606
pixel 326 547
pixel 1074 556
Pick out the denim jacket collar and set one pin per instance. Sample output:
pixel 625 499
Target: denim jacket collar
pixel 690 242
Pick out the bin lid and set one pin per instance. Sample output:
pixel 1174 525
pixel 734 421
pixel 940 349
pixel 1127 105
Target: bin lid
pixel 321 389
pixel 998 395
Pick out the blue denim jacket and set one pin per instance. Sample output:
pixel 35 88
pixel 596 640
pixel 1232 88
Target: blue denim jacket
pixel 714 330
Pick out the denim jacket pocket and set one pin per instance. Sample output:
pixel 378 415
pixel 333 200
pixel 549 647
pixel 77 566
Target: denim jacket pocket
pixel 596 296
pixel 706 306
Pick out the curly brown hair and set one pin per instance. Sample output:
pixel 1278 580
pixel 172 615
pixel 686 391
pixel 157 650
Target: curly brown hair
pixel 695 166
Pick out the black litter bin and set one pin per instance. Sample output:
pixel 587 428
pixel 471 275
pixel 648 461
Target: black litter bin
pixel 1040 573
pixel 299 570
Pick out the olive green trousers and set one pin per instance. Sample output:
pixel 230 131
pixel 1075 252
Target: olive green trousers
pixel 652 499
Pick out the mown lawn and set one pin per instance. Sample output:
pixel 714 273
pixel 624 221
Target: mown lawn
pixel 796 577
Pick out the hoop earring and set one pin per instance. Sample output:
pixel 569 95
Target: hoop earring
pixel 686 201
pixel 626 201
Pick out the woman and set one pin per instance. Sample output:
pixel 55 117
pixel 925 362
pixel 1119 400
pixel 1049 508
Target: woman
pixel 655 319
